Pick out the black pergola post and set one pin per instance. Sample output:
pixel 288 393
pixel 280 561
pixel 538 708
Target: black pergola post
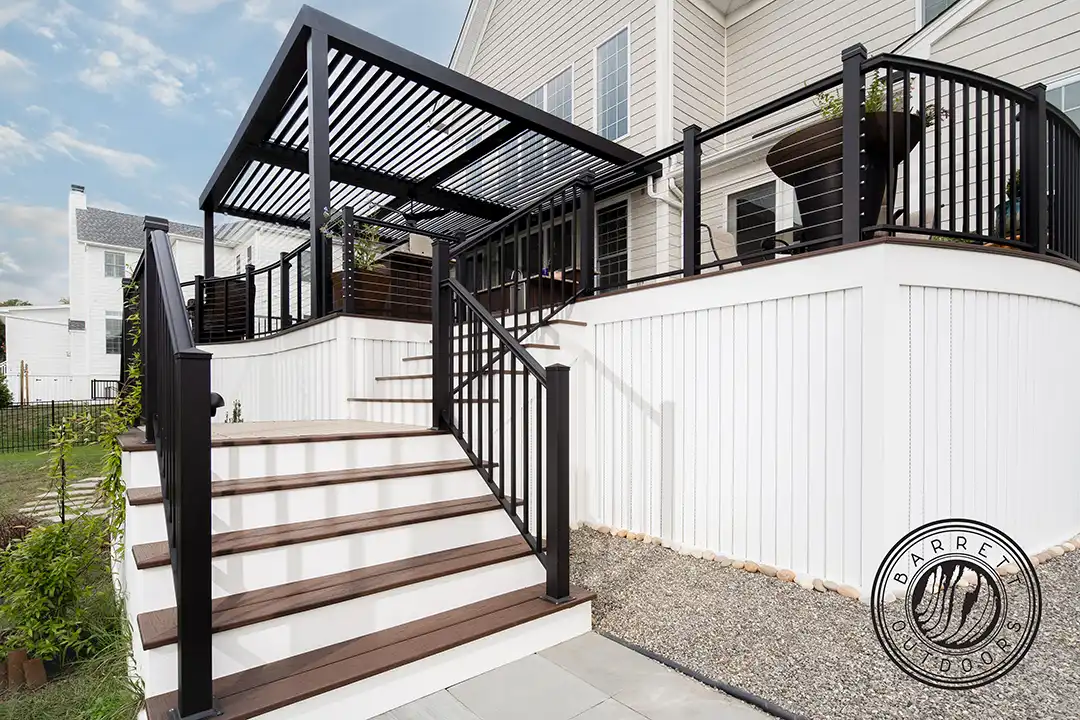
pixel 208 242
pixel 319 167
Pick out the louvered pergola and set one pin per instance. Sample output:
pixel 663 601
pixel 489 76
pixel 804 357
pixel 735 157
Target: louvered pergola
pixel 344 118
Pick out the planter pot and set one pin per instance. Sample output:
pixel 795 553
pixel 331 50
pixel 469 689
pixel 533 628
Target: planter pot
pixel 811 160
pixel 1012 219
pixel 371 290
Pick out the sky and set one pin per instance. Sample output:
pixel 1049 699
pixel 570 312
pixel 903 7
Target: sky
pixel 137 101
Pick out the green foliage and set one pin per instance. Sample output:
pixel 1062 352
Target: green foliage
pixel 366 244
pixel 78 429
pixel 13 527
pixel 5 392
pixel 235 415
pixel 1012 189
pixel 47 584
pixel 831 104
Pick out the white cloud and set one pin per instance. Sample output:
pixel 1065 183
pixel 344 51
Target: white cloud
pixel 123 163
pixel 49 220
pixel 106 204
pixel 135 7
pixel 12 11
pixel 33 264
pixel 195 6
pixel 16 147
pixel 136 58
pixel 7 265
pixel 15 73
pixel 37 110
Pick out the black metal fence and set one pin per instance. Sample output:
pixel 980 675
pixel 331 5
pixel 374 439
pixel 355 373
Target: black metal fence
pixel 27 426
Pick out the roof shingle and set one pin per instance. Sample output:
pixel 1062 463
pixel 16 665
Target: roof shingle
pixel 109 227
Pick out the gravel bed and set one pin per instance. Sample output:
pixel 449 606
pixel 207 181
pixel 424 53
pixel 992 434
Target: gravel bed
pixel 813 653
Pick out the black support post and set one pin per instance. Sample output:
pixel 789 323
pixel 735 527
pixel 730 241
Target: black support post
pixel 586 235
pixel 286 319
pixel 852 223
pixel 557 557
pixel 192 570
pixel 249 304
pixel 319 168
pixel 1035 213
pixel 149 312
pixel 691 218
pixel 440 333
pixel 348 260
pixel 208 242
pixel 197 316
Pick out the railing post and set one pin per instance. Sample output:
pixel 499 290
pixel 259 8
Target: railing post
pixel 150 296
pixel 191 455
pixel 851 143
pixel 557 420
pixel 691 218
pixel 197 318
pixel 348 261
pixel 1034 207
pixel 319 169
pixel 586 234
pixel 283 296
pixel 441 361
pixel 249 310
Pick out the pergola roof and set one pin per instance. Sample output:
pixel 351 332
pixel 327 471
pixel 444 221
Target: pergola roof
pixel 407 139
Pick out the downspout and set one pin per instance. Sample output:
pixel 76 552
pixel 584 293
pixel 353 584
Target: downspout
pixel 651 191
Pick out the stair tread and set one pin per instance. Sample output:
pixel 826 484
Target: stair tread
pixel 134 440
pixel 428 376
pixel 527 346
pixel 260 690
pixel 420 400
pixel 156 554
pixel 245 486
pixel 158 628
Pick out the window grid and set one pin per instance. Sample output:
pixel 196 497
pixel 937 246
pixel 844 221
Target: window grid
pixel 114 264
pixel 611 240
pixel 559 95
pixel 613 80
pixel 933 8
pixel 1067 99
pixel 114 333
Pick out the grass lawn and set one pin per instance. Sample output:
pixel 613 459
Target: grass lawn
pixel 23 476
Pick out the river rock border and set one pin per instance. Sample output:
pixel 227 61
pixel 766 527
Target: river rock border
pixel 808 582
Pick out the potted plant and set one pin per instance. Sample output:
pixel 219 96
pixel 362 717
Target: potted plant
pixel 1009 211
pixel 811 159
pixel 371 279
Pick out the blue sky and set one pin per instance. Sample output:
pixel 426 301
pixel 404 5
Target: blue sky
pixel 137 100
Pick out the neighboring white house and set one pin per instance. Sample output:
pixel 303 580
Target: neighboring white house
pixel 640 71
pixel 67 347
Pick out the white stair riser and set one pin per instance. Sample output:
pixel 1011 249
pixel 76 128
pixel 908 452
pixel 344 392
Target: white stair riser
pixel 500 385
pixel 248 647
pixel 386 691
pixel 303 561
pixel 544 356
pixel 290 458
pixel 281 507
pixel 395 412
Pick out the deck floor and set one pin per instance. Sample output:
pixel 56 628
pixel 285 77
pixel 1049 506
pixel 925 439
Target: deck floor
pixel 302 428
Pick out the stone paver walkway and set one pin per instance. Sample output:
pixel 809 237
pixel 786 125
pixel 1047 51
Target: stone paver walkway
pixel 81 496
pixel 587 678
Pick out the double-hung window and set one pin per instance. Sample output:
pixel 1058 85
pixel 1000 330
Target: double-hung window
pixel 114 264
pixel 612 223
pixel 114 332
pixel 613 87
pixel 1066 97
pixel 933 8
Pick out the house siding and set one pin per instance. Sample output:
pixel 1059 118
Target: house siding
pixel 765 61
pixel 699 59
pixel 1019 41
pixel 39 338
pixel 529 43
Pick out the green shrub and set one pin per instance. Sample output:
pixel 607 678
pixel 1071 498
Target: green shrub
pixel 5 393
pixel 48 580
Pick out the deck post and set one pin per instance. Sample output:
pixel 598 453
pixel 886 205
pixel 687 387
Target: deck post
pixel 197 315
pixel 557 557
pixel 348 261
pixel 586 234
pixel 208 241
pixel 1035 214
pixel 441 362
pixel 249 304
pixel 851 144
pixel 691 218
pixel 283 296
pixel 319 168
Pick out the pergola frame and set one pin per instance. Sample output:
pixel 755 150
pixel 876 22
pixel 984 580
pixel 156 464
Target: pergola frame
pixel 349 111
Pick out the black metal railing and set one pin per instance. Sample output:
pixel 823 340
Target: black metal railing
pixel 527 267
pixel 177 407
pixel 510 414
pixel 28 426
pixel 1063 148
pixel 104 389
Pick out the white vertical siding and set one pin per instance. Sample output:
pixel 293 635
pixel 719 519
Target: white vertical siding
pixel 374 358
pixel 737 429
pixel 1019 41
pixel 700 48
pixel 528 43
pixel 788 43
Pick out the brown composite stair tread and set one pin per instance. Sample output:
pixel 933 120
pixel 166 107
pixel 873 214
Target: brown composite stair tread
pixel 134 440
pixel 457 401
pixel 158 628
pixel 428 376
pixel 246 486
pixel 156 554
pixel 527 346
pixel 260 690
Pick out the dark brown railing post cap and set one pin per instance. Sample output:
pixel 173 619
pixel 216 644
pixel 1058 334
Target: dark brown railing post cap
pixel 155 223
pixel 858 49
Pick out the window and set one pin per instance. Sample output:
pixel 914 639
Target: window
pixel 249 254
pixel 559 95
pixel 933 8
pixel 238 266
pixel 114 332
pixel 613 87
pixel 114 264
pixel 611 244
pixel 752 216
pixel 1067 99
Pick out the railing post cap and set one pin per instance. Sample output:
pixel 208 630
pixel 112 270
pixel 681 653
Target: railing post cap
pixel 151 222
pixel 858 49
pixel 557 367
pixel 587 177
pixel 439 241
pixel 1036 89
pixel 692 129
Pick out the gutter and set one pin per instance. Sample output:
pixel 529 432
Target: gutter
pixel 651 191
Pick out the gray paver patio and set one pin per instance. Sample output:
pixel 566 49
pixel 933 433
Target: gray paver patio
pixel 587 678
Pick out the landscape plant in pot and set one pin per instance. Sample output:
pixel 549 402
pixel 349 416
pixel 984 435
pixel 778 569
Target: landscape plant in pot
pixel 811 159
pixel 371 278
pixel 1009 210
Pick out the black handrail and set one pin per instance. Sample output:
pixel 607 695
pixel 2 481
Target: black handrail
pixel 177 407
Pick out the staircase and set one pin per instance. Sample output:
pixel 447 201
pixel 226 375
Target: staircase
pixel 355 567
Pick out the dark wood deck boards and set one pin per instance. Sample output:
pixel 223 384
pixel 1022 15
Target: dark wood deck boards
pixel 133 440
pixel 156 554
pixel 234 611
pixel 275 685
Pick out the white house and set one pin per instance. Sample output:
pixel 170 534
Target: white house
pixel 67 348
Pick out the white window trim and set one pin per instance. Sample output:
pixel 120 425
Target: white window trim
pixel 105 264
pixel 920 44
pixel 629 82
pixel 1059 81
pixel 608 202
pixel 573 79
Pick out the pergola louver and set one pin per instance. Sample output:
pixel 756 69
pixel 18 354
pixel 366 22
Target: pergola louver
pixel 344 118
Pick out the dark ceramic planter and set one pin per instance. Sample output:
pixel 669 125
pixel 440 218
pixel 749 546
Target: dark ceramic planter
pixel 812 161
